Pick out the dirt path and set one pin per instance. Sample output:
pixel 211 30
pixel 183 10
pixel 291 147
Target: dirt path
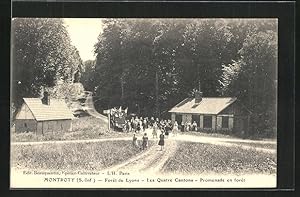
pixel 188 138
pixel 90 109
pixel 152 160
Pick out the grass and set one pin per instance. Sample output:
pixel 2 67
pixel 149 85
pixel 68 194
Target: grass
pixel 256 145
pixel 212 134
pixel 224 135
pixel 73 156
pixel 82 128
pixel 191 158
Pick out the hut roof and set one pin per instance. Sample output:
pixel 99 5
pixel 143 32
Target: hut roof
pixel 208 105
pixel 57 110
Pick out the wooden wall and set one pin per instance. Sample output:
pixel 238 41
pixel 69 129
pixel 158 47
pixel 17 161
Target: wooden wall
pixel 42 127
pixel 53 126
pixel 25 125
pixel 24 113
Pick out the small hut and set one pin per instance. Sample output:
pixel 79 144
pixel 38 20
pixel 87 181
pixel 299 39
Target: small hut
pixel 42 116
pixel 212 113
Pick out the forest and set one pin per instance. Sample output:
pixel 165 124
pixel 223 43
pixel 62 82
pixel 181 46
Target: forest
pixel 149 65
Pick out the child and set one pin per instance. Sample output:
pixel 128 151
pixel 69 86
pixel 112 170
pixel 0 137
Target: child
pixel 134 141
pixel 161 141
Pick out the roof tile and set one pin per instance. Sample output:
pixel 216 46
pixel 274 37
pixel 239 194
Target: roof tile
pixel 57 109
pixel 208 105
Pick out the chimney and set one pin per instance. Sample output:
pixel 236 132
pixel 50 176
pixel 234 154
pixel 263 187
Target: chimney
pixel 198 97
pixel 46 98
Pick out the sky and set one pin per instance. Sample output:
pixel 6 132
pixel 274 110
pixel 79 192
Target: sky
pixel 84 33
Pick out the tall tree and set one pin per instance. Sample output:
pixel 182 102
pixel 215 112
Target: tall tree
pixel 139 59
pixel 87 76
pixel 42 55
pixel 253 77
pixel 150 65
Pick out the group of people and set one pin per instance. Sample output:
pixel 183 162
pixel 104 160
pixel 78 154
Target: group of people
pixel 136 124
pixel 145 140
pixel 161 127
pixel 188 126
pixel 164 127
pixel 141 124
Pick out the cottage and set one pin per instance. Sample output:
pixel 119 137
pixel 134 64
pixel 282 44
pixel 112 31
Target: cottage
pixel 43 116
pixel 212 113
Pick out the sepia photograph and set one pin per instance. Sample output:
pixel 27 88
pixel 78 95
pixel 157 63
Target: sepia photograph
pixel 143 102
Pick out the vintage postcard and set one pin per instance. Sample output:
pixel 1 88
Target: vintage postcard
pixel 144 103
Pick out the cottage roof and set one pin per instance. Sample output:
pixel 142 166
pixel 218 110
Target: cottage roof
pixel 57 110
pixel 208 105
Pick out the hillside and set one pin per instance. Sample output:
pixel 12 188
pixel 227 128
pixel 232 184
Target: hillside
pixel 73 94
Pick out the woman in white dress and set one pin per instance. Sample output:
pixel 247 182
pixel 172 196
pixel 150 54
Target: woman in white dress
pixel 175 128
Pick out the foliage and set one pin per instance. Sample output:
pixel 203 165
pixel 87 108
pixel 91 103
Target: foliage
pixel 253 79
pixel 68 91
pixel 71 93
pixel 149 65
pixel 42 55
pixel 87 76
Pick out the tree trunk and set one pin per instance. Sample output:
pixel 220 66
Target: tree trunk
pixel 122 90
pixel 156 95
